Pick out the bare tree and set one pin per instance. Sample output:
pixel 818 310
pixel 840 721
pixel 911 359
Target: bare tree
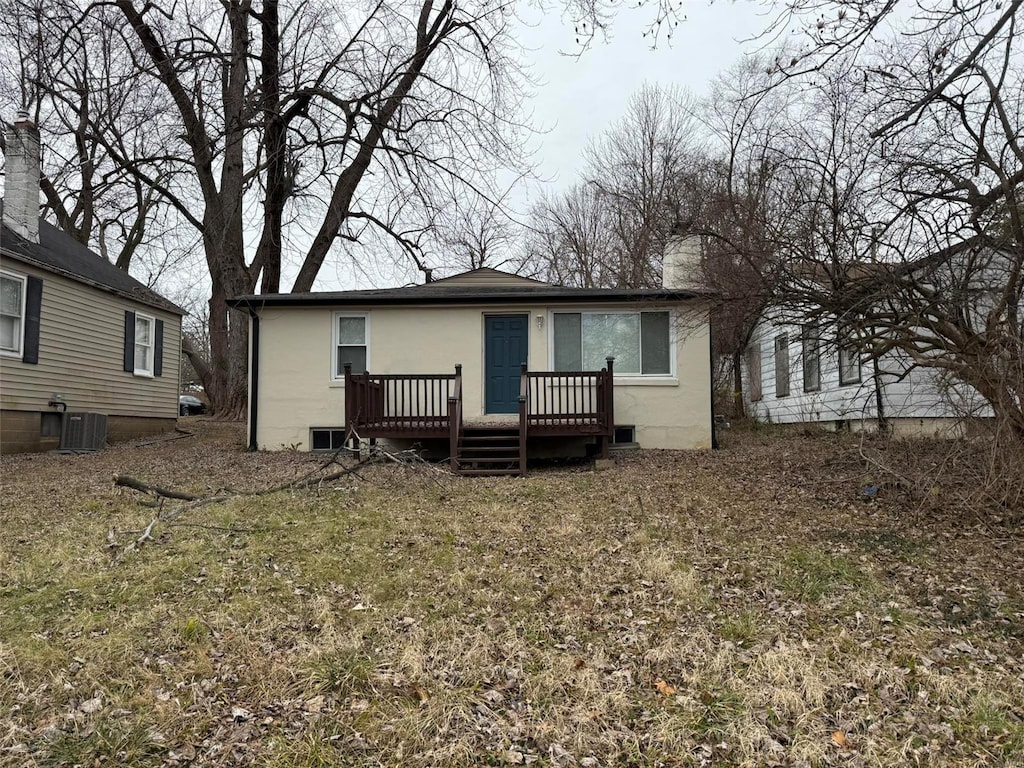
pixel 569 241
pixel 66 68
pixel 907 232
pixel 317 124
pixel 612 230
pixel 480 233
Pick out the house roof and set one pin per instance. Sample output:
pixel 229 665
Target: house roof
pixel 61 254
pixel 866 272
pixel 454 291
pixel 488 276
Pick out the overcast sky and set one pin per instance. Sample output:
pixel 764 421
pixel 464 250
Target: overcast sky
pixel 578 97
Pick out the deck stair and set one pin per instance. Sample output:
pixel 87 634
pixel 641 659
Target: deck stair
pixel 489 450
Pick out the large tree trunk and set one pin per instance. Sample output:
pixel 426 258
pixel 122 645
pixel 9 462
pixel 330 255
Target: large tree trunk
pixel 225 377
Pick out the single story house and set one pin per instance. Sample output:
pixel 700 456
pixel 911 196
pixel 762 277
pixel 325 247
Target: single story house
pixel 484 366
pixel 77 334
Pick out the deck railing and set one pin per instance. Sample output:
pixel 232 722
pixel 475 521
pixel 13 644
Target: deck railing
pixel 417 404
pixel 582 399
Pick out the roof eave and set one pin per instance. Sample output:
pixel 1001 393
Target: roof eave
pixel 332 300
pixel 166 305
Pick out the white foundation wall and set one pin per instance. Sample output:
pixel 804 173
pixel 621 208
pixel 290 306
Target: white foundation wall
pixel 297 391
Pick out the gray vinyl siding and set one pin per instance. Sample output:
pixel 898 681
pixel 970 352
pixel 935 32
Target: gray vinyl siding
pixel 81 354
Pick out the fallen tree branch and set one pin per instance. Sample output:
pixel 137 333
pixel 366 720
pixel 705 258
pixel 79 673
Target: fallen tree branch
pixel 182 434
pixel 225 528
pixel 130 482
pixel 192 501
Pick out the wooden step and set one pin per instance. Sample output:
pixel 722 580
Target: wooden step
pixel 491 471
pixel 489 450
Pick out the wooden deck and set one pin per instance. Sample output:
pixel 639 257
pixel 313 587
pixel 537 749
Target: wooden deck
pixel 430 406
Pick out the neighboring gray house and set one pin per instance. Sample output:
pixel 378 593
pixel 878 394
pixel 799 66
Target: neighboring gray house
pixel 76 333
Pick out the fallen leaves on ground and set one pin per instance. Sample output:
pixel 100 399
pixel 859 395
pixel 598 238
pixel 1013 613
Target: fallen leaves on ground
pixel 743 607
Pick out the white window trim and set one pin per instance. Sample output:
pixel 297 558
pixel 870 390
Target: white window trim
pixel 20 351
pixel 339 378
pixel 669 378
pixel 783 371
pixel 844 343
pixel 146 373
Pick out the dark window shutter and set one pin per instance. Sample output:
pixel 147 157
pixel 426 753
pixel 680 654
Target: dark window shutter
pixel 33 308
pixel 158 349
pixel 129 341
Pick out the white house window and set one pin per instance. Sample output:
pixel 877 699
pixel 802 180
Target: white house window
pixel 640 342
pixel 754 371
pixel 12 313
pixel 849 361
pixel 781 365
pixel 350 344
pixel 810 342
pixel 144 345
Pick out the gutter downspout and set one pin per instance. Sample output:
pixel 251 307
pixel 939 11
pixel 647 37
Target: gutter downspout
pixel 254 374
pixel 711 375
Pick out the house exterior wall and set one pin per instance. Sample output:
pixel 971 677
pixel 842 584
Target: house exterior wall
pixel 915 400
pixel 81 348
pixel 296 389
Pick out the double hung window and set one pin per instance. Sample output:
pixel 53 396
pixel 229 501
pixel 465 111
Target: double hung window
pixel 12 314
pixel 350 344
pixel 781 365
pixel 144 337
pixel 810 343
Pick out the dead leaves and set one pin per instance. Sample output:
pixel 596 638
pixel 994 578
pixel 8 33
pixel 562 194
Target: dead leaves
pixel 664 688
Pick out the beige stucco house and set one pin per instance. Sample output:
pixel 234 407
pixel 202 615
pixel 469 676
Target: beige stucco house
pixel 77 335
pixel 444 361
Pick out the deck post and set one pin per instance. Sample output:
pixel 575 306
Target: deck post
pixel 350 398
pixel 455 419
pixel 524 408
pixel 609 406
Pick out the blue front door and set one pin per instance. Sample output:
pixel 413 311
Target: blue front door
pixel 506 344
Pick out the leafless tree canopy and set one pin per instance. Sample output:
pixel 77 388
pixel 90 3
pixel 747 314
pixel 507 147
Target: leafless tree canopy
pixel 868 176
pixel 611 229
pixel 277 134
pixel 272 137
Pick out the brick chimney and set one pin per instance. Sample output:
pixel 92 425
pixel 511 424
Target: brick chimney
pixel 21 187
pixel 681 267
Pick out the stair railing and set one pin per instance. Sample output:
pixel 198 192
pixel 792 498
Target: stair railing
pixel 524 412
pixel 455 418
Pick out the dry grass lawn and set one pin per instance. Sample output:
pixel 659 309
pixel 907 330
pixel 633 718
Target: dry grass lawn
pixel 743 608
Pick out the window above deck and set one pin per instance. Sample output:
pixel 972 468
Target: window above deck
pixel 641 342
pixel 350 343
